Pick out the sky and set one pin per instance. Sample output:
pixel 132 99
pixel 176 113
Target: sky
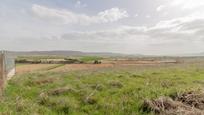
pixel 151 27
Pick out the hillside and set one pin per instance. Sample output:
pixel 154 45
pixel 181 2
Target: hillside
pixel 64 53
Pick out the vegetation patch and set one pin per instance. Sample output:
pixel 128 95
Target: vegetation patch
pixel 189 103
pixel 166 83
pixel 44 81
pixel 114 91
pixel 90 100
pixel 198 82
pixel 136 76
pixel 115 84
pixel 192 98
pixel 61 91
pixel 90 59
pixel 60 105
pixel 98 87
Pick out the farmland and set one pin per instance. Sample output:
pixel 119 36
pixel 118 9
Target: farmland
pixel 117 86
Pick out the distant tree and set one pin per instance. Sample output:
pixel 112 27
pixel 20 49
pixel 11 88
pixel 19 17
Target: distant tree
pixel 97 62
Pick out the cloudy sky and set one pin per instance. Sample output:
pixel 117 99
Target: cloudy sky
pixel 161 27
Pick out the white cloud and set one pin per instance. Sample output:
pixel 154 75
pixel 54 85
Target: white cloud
pixel 111 15
pixel 122 33
pixel 186 28
pixel 160 8
pixel 181 35
pixel 188 4
pixel 69 17
pixel 78 4
pixel 148 16
pixel 136 15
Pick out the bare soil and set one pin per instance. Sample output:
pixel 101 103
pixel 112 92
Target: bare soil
pixel 32 67
pixel 73 67
pixel 105 64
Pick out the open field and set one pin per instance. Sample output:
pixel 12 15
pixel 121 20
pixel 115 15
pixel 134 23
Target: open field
pixel 111 88
pixel 101 57
pixel 25 68
pixel 57 59
pixel 77 67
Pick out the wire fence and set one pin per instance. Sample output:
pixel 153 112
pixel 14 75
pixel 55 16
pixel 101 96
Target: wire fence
pixel 7 67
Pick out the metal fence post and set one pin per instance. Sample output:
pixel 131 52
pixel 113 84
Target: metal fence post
pixel 4 67
pixel 1 71
pixel 7 68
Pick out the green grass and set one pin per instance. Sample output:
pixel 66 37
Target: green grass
pixel 90 58
pixel 19 64
pixel 84 59
pixel 107 92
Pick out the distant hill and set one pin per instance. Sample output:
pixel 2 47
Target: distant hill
pixel 80 53
pixel 201 54
pixel 64 53
pixel 194 54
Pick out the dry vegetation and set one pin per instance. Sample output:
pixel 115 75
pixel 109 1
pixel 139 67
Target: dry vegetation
pixel 188 103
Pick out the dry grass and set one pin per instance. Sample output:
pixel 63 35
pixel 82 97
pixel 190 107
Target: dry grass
pixel 190 103
pixel 61 91
pixel 116 84
pixel 193 99
pixel 44 81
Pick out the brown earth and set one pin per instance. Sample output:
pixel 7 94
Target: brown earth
pixel 105 64
pixel 73 67
pixel 139 62
pixel 32 67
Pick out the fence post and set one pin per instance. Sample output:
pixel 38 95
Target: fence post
pixel 1 71
pixel 7 69
pixel 4 67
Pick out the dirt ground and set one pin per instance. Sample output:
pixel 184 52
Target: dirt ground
pixel 32 67
pixel 138 62
pixel 72 67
